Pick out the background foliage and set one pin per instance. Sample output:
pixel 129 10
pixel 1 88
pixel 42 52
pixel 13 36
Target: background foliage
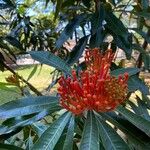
pixel 44 30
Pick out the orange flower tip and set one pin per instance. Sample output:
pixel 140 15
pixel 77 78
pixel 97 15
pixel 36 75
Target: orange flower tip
pixel 126 75
pixel 60 81
pixel 78 106
pixel 97 103
pixel 89 95
pixel 84 85
pixel 60 88
pixel 85 92
pixel 85 100
pixel 94 97
pixel 76 83
pixel 106 102
pixel 108 108
pixel 91 85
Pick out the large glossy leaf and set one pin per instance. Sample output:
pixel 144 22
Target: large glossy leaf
pixel 138 121
pixel 39 128
pixel 111 140
pixel 143 14
pixel 116 25
pixel 68 144
pixel 140 108
pixel 87 3
pixel 90 137
pixel 119 32
pixel 97 34
pixel 77 51
pixel 9 147
pixel 28 105
pixel 49 138
pixel 146 59
pixel 49 58
pixel 58 7
pixel 142 33
pixel 13 41
pixel 135 83
pixel 132 133
pixel 14 123
pixel 130 71
pixel 32 72
pixel 69 29
pixel 124 44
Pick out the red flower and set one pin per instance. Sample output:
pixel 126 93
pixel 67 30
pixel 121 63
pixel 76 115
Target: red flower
pixel 94 88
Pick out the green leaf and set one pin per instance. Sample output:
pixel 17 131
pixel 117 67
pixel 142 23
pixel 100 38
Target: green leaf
pixel 29 143
pixel 39 128
pixel 97 34
pixel 90 137
pixel 124 43
pixel 77 51
pixel 146 60
pixel 138 121
pixel 28 105
pixel 135 83
pixel 133 134
pixel 116 25
pixel 49 58
pixel 140 109
pixel 68 144
pixel 111 140
pixel 14 123
pixel 58 7
pixel 69 29
pixel 142 33
pixel 130 71
pixel 143 14
pixel 9 147
pixel 87 3
pixel 14 42
pixel 32 72
pixel 49 138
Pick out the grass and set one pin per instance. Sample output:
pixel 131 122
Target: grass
pixel 40 80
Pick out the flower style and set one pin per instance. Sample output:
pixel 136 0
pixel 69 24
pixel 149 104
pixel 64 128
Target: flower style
pixel 94 88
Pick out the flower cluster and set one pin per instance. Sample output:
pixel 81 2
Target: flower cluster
pixel 94 88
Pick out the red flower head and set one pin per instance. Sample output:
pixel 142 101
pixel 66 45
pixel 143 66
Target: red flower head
pixel 94 88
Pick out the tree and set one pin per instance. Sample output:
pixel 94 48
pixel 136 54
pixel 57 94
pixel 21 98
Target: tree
pixel 95 25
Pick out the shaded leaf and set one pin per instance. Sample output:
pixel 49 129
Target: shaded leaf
pixel 143 14
pixel 9 147
pixel 49 58
pixel 14 123
pixel 134 135
pixel 111 140
pixel 135 83
pixel 27 106
pixel 58 7
pixel 90 137
pixel 39 128
pixel 14 42
pixel 97 34
pixel 138 121
pixel 32 72
pixel 130 71
pixel 49 138
pixel 77 51
pixel 68 143
pixel 69 29
pixel 87 3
